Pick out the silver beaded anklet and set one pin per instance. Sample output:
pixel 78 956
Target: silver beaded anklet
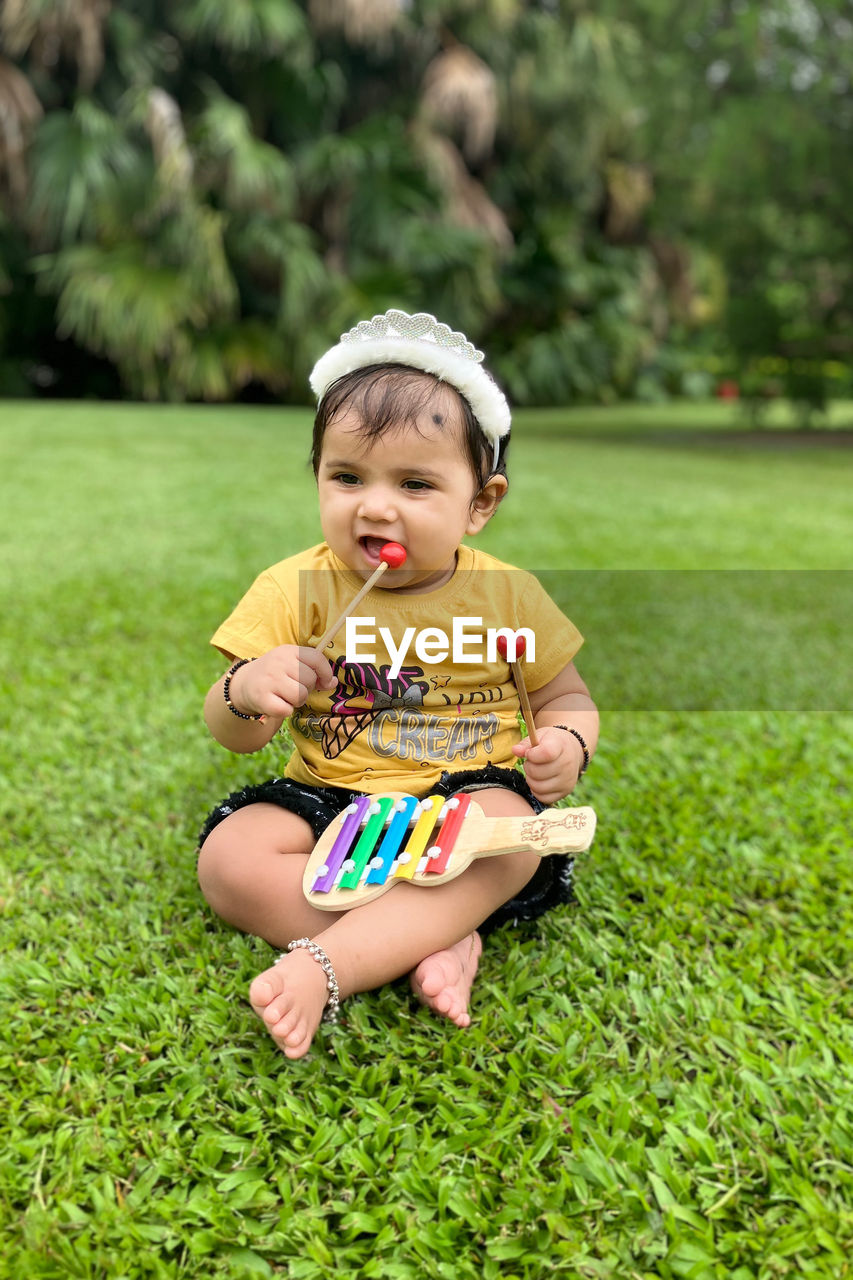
pixel 333 1004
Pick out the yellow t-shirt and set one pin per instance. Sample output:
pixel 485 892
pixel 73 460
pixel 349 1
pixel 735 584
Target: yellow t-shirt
pixel 401 714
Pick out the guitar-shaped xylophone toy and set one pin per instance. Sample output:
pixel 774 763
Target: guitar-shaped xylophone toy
pixel 381 840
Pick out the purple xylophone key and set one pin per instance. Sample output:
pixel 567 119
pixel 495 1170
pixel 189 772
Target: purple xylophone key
pixel 343 843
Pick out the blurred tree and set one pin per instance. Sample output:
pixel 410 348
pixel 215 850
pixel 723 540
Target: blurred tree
pixel 748 134
pixel 207 191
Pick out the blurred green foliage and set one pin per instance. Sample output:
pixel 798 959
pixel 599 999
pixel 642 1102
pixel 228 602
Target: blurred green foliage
pixel 633 200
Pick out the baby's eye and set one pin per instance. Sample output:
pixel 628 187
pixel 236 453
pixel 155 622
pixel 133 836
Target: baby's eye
pixel 346 478
pixel 416 485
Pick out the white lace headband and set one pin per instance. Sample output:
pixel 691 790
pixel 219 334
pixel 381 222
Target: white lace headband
pixel 421 342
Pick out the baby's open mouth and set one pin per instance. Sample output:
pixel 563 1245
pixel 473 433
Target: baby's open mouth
pixel 372 547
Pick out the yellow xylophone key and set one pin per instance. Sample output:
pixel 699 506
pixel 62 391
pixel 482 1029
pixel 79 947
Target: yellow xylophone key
pixel 410 857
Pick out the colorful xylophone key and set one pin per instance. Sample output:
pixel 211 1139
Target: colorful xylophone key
pixel 382 863
pixel 354 866
pixel 409 858
pixel 453 815
pixel 327 872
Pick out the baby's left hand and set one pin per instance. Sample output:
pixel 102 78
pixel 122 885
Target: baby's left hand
pixel 553 766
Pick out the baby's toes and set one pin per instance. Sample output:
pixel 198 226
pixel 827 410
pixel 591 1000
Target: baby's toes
pixel 443 1001
pixel 281 1018
pixel 451 1006
pixel 461 1016
pixel 294 1042
pixel 283 1014
pixel 433 983
pixel 264 989
pixel 455 1008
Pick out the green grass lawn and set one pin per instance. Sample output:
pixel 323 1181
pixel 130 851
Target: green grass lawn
pixel 657 1082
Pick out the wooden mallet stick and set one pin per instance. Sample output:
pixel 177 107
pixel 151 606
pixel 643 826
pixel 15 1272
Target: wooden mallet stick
pixel 393 556
pixel 521 687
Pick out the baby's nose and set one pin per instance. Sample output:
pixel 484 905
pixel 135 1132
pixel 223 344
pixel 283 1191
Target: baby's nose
pixel 377 503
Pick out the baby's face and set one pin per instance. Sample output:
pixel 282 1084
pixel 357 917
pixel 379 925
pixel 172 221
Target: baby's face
pixel 409 486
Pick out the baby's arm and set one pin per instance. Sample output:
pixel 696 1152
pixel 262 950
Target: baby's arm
pixel 554 765
pixel 272 686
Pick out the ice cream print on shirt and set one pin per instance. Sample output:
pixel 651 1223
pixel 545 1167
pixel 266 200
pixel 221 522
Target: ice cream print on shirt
pixel 390 711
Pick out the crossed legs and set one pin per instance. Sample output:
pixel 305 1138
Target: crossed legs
pixel 250 871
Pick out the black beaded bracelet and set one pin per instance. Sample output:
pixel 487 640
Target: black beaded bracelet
pixel 226 689
pixel 584 747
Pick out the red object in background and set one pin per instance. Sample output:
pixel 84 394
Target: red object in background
pixel 728 390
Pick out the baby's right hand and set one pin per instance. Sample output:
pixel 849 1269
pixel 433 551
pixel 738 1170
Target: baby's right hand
pixel 281 680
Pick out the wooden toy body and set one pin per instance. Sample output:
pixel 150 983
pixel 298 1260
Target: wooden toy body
pixel 381 840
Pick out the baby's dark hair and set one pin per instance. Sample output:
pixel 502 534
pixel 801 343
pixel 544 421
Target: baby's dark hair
pixel 391 396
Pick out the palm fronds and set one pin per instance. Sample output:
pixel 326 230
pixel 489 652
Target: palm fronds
pixel 629 192
pixel 165 128
pixel 468 202
pixel 146 304
pixel 513 166
pixel 264 28
pixel 49 29
pixel 246 171
pixel 362 22
pixel 80 158
pixel 20 110
pixel 459 93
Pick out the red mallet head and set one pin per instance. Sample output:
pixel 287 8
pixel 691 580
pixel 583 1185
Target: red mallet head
pixel 503 647
pixel 393 555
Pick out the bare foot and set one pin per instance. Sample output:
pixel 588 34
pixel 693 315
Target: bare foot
pixel 443 981
pixel 290 998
